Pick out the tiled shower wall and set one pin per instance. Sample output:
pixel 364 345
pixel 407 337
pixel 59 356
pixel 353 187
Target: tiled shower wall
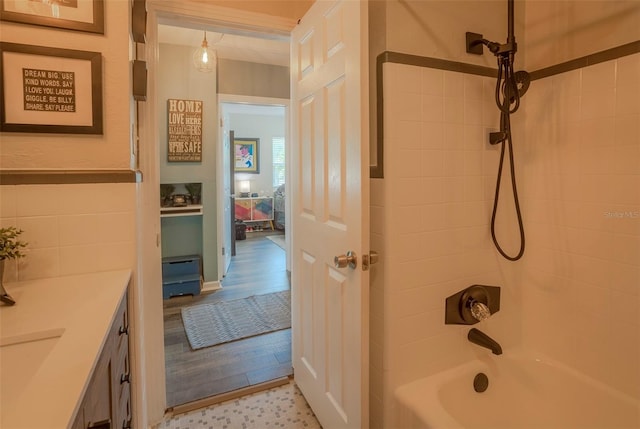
pixel 576 293
pixel 71 229
pixel 430 215
pixel 581 189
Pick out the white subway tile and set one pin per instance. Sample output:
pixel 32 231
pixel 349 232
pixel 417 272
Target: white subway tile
pixel 628 70
pixel 38 200
pixel 8 201
pixel 40 232
pixel 79 259
pixel 113 256
pixel 39 264
pixel 598 76
pixel 432 81
pixel 78 229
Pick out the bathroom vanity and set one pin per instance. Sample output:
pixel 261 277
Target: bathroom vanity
pixel 64 353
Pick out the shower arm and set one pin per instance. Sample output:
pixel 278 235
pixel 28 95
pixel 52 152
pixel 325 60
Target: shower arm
pixel 504 50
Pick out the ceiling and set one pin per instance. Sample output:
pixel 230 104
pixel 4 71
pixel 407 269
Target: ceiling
pixel 229 46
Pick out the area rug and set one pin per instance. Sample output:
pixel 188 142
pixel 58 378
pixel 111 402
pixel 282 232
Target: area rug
pixel 278 240
pixel 207 325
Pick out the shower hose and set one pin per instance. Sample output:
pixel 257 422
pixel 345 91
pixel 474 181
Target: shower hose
pixel 508 101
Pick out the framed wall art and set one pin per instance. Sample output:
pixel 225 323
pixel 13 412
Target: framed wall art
pixel 80 15
pixel 50 90
pixel 184 123
pixel 246 155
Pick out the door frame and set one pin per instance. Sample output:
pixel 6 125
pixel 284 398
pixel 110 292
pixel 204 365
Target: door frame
pixel 259 101
pixel 149 389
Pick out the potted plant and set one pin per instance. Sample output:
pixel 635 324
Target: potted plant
pixel 166 189
pixel 195 190
pixel 10 248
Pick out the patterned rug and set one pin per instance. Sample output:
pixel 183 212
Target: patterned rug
pixel 207 325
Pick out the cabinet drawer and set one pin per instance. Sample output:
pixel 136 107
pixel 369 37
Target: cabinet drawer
pixel 123 415
pixel 179 266
pixel 120 328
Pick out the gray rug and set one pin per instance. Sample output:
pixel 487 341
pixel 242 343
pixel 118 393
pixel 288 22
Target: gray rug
pixel 207 325
pixel 278 240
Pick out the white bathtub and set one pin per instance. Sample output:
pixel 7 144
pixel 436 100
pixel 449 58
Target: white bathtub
pixel 523 392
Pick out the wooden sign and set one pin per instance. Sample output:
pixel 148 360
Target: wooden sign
pixel 184 130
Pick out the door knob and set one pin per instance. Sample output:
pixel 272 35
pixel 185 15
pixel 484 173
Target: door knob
pixel 350 260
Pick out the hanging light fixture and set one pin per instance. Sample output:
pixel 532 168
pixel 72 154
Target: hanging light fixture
pixel 204 58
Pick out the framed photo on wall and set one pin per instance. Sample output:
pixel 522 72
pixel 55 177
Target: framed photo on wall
pixel 246 155
pixel 50 90
pixel 80 15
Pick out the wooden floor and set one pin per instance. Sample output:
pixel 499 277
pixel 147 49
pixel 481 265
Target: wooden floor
pixel 258 268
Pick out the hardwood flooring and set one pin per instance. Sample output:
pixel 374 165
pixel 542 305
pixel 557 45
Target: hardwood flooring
pixel 258 268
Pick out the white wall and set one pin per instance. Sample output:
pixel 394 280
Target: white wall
pixel 77 151
pixel 581 181
pixel 265 127
pixel 178 78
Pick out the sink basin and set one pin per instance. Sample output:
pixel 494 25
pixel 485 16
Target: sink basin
pixel 20 358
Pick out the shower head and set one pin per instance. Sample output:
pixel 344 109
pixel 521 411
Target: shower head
pixel 522 80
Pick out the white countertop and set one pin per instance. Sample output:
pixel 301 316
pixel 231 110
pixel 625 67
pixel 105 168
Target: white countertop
pixel 84 307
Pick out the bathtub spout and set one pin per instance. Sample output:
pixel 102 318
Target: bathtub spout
pixel 480 338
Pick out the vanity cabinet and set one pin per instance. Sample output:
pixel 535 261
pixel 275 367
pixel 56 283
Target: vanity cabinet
pixel 107 401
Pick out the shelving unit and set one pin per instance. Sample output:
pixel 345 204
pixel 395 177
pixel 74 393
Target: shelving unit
pixel 190 210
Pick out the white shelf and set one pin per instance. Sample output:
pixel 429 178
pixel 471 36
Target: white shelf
pixel 191 210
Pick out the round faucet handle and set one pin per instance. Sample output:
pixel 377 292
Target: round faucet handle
pixel 480 311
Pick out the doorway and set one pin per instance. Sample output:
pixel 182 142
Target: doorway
pixel 192 375
pixel 259 266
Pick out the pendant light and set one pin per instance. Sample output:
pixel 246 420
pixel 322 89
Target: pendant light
pixel 204 58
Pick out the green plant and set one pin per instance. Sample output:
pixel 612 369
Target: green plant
pixel 10 246
pixel 194 189
pixel 166 190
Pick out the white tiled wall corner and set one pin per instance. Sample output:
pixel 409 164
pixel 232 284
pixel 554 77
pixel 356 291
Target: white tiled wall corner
pixel 435 218
pixel 71 229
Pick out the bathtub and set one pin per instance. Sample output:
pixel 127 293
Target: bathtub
pixel 523 392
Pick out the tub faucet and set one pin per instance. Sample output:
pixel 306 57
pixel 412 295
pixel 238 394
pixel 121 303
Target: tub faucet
pixel 478 337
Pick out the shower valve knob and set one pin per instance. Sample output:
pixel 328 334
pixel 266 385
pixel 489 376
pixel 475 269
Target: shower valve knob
pixel 480 311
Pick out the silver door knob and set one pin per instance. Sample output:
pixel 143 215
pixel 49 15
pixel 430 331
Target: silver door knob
pixel 350 260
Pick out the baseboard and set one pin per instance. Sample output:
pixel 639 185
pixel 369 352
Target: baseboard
pixel 212 400
pixel 211 286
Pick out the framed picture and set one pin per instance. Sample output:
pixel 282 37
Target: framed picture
pixel 184 130
pixel 80 15
pixel 246 155
pixel 50 90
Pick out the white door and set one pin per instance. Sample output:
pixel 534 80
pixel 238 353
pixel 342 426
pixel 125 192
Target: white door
pixel 330 211
pixel 227 228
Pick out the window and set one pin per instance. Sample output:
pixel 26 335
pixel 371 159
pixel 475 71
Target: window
pixel 278 161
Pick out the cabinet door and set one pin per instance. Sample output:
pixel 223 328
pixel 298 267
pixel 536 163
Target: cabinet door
pixel 262 209
pixel 97 401
pixel 243 209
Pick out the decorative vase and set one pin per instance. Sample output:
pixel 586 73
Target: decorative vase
pixel 4 296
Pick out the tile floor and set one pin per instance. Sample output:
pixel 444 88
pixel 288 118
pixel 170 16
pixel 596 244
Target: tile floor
pixel 280 407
